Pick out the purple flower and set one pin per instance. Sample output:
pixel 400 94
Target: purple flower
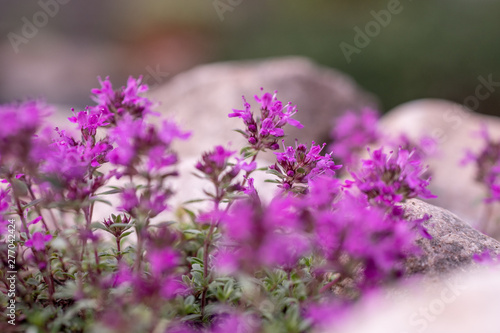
pixel 299 165
pixel 283 249
pixel 156 202
pixel 135 139
pixel 219 156
pixel 367 235
pixel 163 260
pixel 170 130
pixel 392 178
pixel 19 124
pixel 111 224
pixel 21 119
pixel 126 135
pixel 215 166
pixel 129 200
pixel 68 159
pixel 425 147
pixel 323 192
pixel 126 100
pixel 486 257
pixel 35 221
pixel 324 316
pixel 4 200
pixel 38 241
pixel 150 203
pixel 259 235
pixel 234 322
pixel 353 133
pixel 487 162
pixel 89 121
pixel 158 158
pixel 250 190
pixel 172 286
pixel 264 131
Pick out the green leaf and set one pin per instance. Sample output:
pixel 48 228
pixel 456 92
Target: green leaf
pixel 98 225
pixel 191 214
pixel 191 317
pixel 162 224
pixel 250 154
pixel 241 132
pixel 33 282
pixel 195 260
pixel 189 300
pixel 193 201
pixel 276 173
pixel 19 187
pixel 121 225
pixel 111 192
pixel 192 231
pixel 96 199
pixel 33 203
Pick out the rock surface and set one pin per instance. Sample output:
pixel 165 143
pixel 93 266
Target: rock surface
pixel 453 242
pixel 453 127
pixel 201 98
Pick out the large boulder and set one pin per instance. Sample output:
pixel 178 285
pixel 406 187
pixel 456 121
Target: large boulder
pixel 453 245
pixel 201 98
pixel 453 127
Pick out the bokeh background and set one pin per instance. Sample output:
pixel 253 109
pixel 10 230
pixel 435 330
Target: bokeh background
pixel 431 49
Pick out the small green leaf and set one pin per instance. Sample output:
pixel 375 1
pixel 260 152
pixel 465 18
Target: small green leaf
pixel 33 203
pixel 276 173
pixel 192 231
pixel 96 199
pixel 241 132
pixel 193 201
pixel 115 191
pixel 98 225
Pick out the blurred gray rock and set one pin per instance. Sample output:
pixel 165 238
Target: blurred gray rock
pixel 201 98
pixel 453 127
pixel 453 242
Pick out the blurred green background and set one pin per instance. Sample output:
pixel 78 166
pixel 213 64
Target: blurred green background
pixel 430 49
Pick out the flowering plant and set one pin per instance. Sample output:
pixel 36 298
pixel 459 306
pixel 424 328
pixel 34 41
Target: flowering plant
pixel 289 264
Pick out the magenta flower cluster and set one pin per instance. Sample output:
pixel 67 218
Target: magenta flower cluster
pixel 240 263
pixel 352 133
pixel 264 130
pixel 390 178
pixel 298 165
pixel 114 104
pixel 487 163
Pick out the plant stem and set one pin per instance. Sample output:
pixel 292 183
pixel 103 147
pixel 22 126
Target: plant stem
pixel 20 212
pixel 118 249
pixel 329 284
